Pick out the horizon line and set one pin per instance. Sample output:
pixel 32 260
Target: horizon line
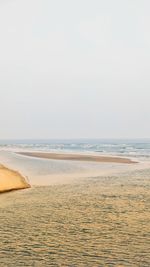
pixel 77 138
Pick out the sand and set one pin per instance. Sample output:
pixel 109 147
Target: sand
pixel 77 157
pixel 11 180
pixel 95 222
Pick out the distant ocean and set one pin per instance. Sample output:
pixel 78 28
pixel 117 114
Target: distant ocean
pixel 138 148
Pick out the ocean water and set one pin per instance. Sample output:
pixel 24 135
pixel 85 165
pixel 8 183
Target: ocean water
pixel 95 221
pixel 125 147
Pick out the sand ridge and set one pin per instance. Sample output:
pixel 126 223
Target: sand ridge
pixel 11 180
pixel 78 157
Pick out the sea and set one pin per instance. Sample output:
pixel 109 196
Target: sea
pixel 77 213
pixel 120 147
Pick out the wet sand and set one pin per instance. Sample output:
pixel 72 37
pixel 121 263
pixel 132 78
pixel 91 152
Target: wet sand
pixel 78 157
pixel 11 180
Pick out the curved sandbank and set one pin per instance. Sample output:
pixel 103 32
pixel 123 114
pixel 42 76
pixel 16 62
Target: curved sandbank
pixel 77 157
pixel 11 180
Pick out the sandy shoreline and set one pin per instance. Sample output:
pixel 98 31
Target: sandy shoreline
pixel 11 180
pixel 77 157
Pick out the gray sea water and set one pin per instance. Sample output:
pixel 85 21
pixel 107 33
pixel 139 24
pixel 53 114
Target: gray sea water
pixel 92 221
pixel 123 147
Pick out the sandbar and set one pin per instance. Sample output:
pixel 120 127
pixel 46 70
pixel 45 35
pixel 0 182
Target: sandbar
pixel 78 157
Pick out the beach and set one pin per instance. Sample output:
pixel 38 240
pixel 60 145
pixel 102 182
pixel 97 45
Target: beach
pixel 83 209
pixel 11 180
pixel 95 222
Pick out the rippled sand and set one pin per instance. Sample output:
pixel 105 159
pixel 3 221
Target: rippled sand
pixel 96 222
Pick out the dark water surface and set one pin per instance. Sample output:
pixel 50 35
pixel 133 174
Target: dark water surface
pixel 96 222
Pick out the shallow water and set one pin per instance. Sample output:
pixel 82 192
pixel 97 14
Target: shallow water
pixel 102 221
pixel 48 172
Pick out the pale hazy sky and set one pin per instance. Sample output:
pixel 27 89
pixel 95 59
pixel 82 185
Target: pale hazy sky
pixel 74 68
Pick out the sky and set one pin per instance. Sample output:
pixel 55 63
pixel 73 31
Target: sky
pixel 74 69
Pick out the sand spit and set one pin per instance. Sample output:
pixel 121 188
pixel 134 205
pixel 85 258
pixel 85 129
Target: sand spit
pixel 11 180
pixel 77 157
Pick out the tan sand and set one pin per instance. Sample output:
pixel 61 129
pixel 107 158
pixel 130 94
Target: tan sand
pixel 11 180
pixel 77 157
